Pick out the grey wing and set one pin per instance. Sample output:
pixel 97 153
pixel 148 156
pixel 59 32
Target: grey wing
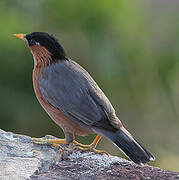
pixel 68 87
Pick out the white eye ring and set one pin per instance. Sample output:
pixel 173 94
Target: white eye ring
pixel 26 40
pixel 37 43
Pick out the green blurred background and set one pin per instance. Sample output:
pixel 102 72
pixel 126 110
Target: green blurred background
pixel 131 48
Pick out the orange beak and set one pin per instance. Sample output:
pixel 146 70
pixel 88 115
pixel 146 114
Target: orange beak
pixel 20 36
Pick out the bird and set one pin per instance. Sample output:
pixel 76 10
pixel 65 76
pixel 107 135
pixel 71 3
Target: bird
pixel 74 101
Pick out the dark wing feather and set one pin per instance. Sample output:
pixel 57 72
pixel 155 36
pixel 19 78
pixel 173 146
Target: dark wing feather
pixel 68 87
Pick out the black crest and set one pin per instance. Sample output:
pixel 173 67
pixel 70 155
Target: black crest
pixel 49 42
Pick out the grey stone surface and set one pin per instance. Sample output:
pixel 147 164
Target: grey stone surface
pixel 21 160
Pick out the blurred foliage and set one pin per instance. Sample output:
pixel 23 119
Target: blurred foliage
pixel 129 47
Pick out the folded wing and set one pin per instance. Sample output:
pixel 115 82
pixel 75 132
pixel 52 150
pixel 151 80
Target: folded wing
pixel 68 87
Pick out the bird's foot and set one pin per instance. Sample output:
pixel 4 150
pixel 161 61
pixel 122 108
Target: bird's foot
pixel 54 143
pixel 90 147
pixel 48 141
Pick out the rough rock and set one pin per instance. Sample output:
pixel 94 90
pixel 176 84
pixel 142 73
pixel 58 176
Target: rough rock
pixel 21 160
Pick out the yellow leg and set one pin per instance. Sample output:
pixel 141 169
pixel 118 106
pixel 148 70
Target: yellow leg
pixel 90 146
pixel 56 142
pixel 52 142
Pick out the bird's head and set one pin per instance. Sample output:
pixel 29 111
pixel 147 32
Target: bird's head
pixel 44 47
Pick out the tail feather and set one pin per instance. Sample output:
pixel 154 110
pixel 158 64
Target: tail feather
pixel 151 157
pixel 131 147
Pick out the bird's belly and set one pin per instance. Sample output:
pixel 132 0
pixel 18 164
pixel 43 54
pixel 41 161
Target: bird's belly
pixel 57 115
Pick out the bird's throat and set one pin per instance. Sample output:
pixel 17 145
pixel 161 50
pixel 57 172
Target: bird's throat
pixel 41 55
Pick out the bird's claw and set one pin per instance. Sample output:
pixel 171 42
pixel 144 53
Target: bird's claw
pixel 50 142
pixel 40 141
pixel 91 148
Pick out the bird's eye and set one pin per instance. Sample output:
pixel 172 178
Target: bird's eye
pixel 33 42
